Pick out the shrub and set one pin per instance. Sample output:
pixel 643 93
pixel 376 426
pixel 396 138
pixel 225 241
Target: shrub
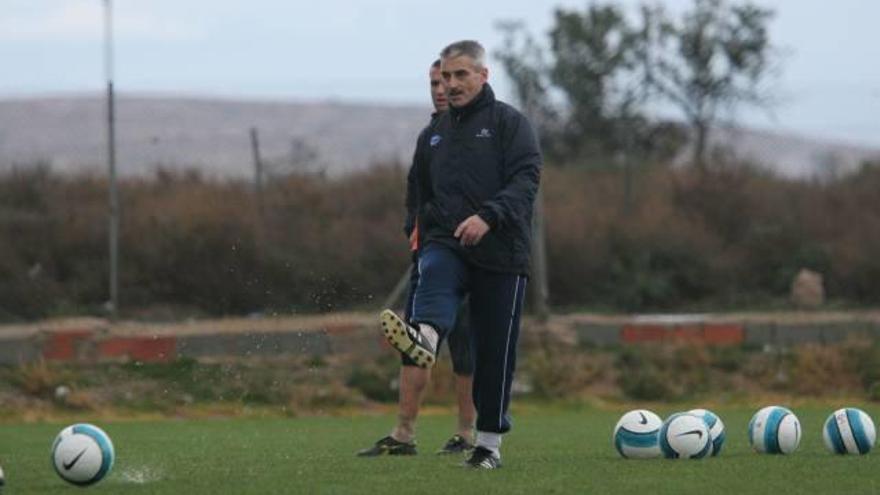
pixel 374 380
pixel 203 246
pixel 560 372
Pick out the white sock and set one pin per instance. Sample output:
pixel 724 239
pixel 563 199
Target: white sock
pixel 490 441
pixel 430 334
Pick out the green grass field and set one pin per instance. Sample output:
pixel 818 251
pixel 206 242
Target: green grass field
pixel 551 450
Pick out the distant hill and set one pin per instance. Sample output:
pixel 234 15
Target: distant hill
pixel 213 135
pixel 792 155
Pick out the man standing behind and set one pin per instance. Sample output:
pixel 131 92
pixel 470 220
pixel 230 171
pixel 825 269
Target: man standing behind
pixel 475 212
pixel 414 379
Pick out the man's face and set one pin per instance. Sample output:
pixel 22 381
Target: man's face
pixel 463 79
pixel 438 91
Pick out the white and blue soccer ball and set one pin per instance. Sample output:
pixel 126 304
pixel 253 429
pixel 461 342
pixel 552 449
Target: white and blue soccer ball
pixel 685 436
pixel 775 430
pixel 635 436
pixel 717 434
pixel 82 454
pixel 849 431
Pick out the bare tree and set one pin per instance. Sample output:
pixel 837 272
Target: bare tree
pixel 712 59
pixel 523 61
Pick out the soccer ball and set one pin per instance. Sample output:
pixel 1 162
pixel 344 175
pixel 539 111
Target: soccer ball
pixel 715 426
pixel 685 436
pixel 849 431
pixel 774 430
pixel 82 454
pixel 635 436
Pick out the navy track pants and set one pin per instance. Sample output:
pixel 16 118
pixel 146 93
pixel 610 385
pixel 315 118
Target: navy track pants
pixel 458 340
pixel 496 301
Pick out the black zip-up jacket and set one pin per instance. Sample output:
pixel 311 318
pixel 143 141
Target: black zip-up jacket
pixel 480 159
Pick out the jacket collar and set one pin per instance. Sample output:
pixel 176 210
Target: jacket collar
pixel 484 98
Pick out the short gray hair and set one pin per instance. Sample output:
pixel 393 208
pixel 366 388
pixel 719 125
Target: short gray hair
pixel 471 48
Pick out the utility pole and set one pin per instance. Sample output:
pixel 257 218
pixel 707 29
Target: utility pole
pixel 540 288
pixel 399 288
pixel 258 170
pixel 111 162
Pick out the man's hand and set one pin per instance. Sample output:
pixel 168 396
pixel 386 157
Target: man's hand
pixel 471 231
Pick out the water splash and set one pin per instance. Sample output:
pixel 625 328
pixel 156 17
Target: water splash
pixel 141 475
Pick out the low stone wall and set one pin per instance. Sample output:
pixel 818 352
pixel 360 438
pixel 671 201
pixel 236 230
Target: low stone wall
pixel 779 329
pixel 95 340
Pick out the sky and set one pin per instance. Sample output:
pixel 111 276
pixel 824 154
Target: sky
pixel 378 51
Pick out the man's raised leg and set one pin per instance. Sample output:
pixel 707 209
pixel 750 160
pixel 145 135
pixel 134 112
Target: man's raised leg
pixel 443 277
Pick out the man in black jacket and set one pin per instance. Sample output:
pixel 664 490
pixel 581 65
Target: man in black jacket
pixel 478 174
pixel 413 378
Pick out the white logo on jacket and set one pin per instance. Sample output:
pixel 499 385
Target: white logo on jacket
pixel 484 133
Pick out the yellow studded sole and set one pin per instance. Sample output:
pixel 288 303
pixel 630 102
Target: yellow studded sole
pixel 394 330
